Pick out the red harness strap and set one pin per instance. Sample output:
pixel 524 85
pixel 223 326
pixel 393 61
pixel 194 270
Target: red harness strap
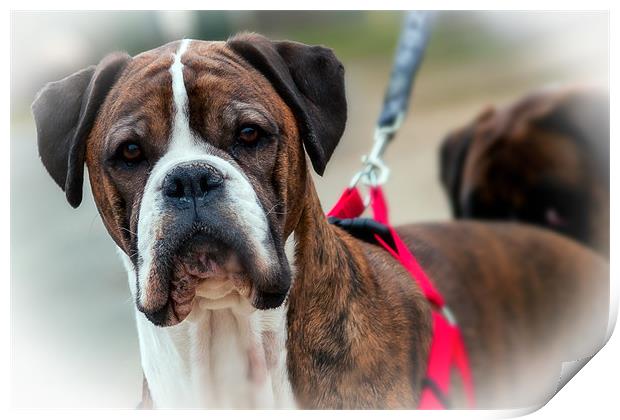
pixel 447 347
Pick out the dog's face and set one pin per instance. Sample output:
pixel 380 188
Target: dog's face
pixel 543 160
pixel 196 160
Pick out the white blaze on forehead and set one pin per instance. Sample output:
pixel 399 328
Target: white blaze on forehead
pixel 180 125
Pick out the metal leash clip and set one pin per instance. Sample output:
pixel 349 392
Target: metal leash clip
pixel 374 171
pixel 448 315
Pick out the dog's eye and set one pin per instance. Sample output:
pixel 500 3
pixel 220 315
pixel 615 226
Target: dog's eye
pixel 249 135
pixel 130 153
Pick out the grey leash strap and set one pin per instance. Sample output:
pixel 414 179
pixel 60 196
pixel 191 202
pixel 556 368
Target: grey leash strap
pixel 409 54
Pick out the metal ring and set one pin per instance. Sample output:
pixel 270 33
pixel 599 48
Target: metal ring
pixel 447 313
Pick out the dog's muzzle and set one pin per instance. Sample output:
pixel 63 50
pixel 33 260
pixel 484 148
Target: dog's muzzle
pixel 205 248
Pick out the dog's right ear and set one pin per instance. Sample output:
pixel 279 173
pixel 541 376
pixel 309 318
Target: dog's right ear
pixel 64 113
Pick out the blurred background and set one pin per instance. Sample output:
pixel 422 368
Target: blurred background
pixel 73 336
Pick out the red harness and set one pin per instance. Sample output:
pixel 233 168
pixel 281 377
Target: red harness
pixel 447 348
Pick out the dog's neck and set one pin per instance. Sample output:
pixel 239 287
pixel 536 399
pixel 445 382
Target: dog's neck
pixel 329 264
pixel 327 260
pixel 223 358
pixel 341 320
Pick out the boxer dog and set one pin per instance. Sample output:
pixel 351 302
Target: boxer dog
pixel 543 160
pixel 245 295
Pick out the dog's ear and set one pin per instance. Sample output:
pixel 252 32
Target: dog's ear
pixel 581 114
pixel 310 79
pixel 64 112
pixel 452 154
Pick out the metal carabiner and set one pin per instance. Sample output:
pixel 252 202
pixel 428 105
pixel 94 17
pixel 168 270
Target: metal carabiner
pixel 374 171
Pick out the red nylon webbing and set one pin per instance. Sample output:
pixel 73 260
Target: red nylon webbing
pixel 447 347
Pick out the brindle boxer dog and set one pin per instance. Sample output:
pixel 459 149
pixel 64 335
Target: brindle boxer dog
pixel 543 160
pixel 245 295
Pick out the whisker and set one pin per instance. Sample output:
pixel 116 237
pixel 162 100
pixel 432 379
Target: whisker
pixel 273 208
pixel 128 230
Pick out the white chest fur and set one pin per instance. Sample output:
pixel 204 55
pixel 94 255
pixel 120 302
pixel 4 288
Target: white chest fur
pixel 216 358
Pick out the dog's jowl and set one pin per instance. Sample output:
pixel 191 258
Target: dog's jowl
pixel 245 296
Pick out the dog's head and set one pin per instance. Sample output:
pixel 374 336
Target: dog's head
pixel 195 152
pixel 542 160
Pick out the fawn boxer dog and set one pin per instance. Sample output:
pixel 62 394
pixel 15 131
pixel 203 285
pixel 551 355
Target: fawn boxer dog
pixel 543 160
pixel 245 296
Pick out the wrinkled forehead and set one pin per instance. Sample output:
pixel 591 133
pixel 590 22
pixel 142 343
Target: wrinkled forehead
pixel 219 86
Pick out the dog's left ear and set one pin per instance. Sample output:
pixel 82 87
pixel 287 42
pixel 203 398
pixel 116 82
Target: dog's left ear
pixel 310 79
pixel 452 155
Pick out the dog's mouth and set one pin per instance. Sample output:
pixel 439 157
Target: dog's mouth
pixel 209 271
pixel 203 273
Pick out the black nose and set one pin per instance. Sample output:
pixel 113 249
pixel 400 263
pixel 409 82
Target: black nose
pixel 191 182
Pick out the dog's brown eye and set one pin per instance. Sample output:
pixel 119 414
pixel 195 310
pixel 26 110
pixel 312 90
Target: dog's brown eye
pixel 131 153
pixel 248 135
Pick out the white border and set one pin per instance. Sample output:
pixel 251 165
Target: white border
pixel 591 392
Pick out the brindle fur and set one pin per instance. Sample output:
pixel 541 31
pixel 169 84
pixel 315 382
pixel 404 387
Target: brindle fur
pixel 359 328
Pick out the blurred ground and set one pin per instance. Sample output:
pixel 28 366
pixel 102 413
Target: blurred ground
pixel 73 335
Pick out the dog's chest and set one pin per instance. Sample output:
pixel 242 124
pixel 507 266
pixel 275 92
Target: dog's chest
pixel 217 359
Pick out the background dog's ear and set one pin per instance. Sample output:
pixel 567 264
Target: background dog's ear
pixel 64 112
pixel 581 114
pixel 310 79
pixel 452 154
